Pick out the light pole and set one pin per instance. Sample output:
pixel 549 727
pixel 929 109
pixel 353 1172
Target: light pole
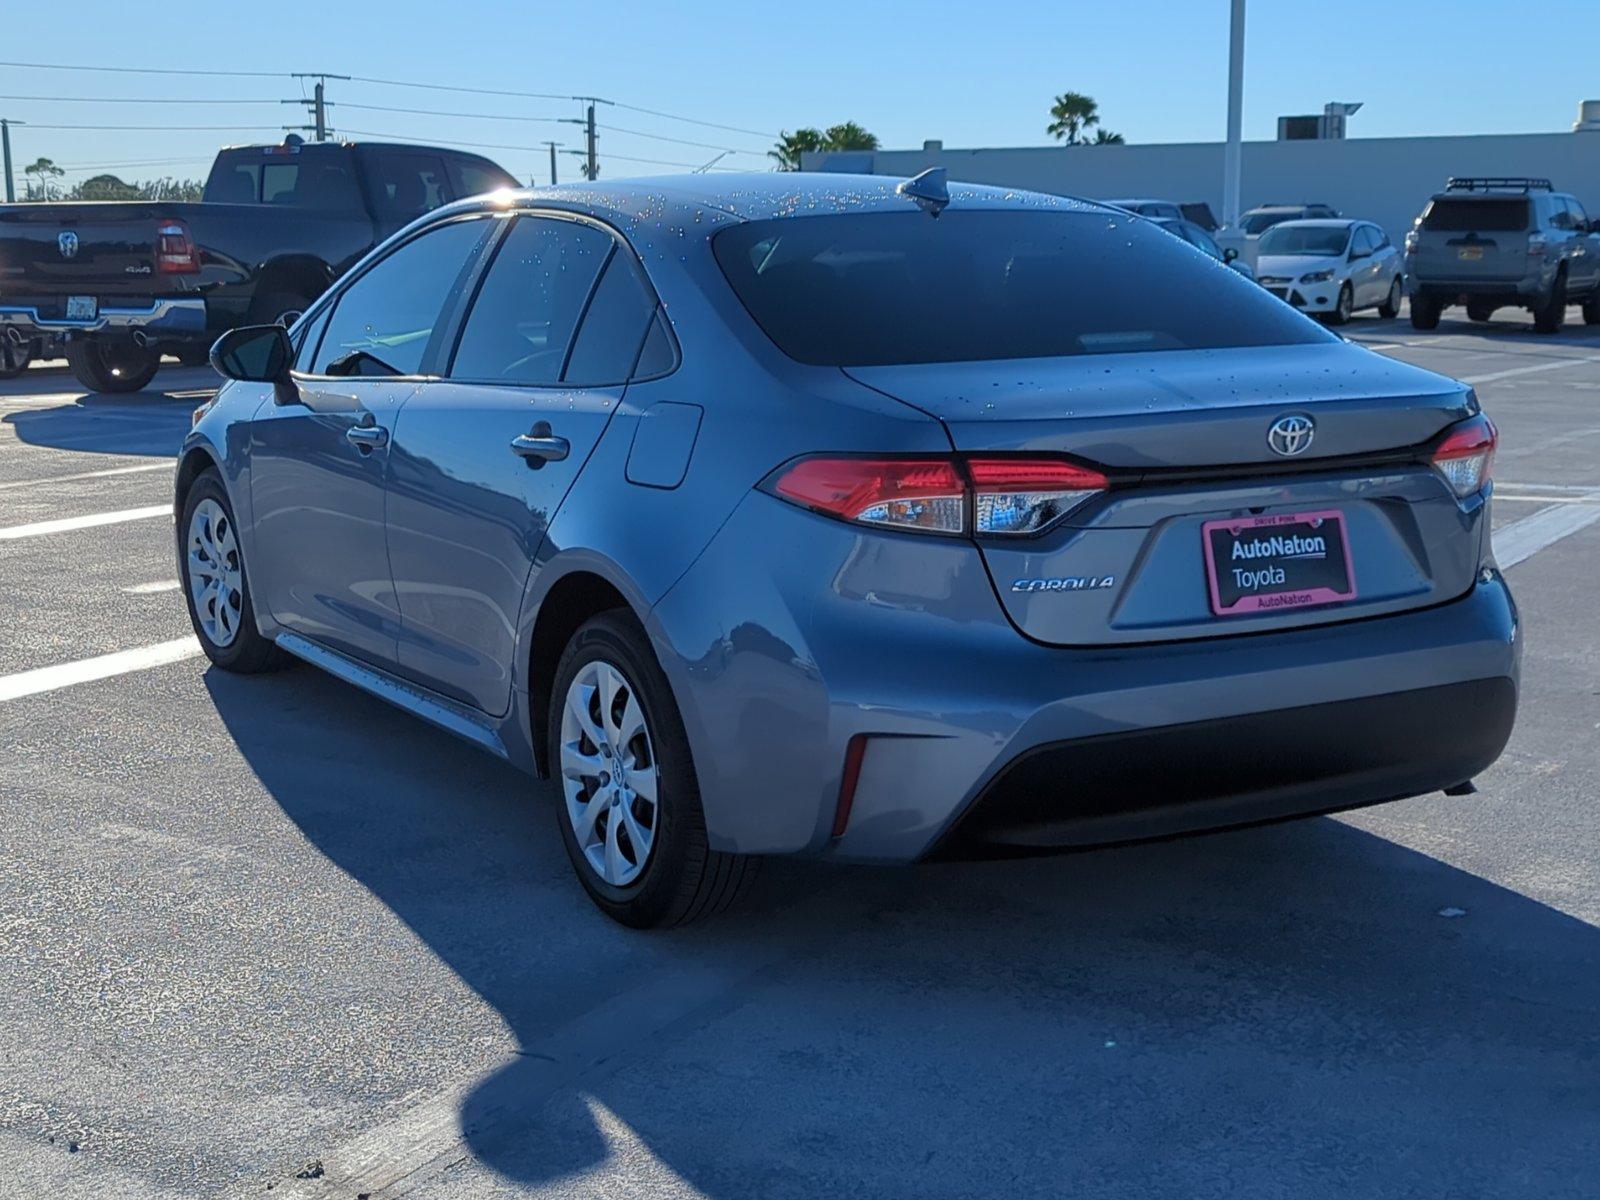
pixel 1232 152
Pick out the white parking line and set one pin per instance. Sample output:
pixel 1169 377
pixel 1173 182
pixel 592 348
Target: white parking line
pixel 1533 370
pixel 64 524
pixel 165 465
pixel 1521 540
pixel 104 666
pixel 150 589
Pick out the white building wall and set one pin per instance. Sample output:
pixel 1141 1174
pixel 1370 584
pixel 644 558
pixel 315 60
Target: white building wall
pixel 1386 180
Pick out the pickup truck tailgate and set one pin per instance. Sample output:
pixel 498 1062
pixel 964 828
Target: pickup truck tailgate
pixel 102 249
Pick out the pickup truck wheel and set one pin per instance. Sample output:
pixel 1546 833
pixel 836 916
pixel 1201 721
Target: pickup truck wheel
pixel 1425 312
pixel 1390 308
pixel 1550 316
pixel 111 368
pixel 14 357
pixel 1591 309
pixel 272 308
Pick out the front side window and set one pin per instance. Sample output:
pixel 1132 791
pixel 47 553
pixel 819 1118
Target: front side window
pixel 522 321
pixel 875 289
pixel 384 322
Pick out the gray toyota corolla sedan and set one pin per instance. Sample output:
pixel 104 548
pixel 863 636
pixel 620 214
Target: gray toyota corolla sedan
pixel 819 514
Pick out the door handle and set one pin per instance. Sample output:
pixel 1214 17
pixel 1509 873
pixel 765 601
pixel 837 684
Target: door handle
pixel 540 446
pixel 367 436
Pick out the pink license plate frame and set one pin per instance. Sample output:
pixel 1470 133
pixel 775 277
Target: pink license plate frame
pixel 1275 601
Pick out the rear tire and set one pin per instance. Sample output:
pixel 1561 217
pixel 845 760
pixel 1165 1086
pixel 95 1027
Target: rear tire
pixel 614 736
pixel 1591 309
pixel 1342 307
pixel 111 368
pixel 1480 312
pixel 1425 312
pixel 1550 316
pixel 1390 308
pixel 215 585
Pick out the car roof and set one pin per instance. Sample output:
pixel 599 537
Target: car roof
pixel 1321 223
pixel 1140 200
pixel 756 196
pixel 1266 208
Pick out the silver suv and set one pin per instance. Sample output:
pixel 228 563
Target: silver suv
pixel 1492 242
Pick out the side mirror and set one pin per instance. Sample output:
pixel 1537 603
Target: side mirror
pixel 255 353
pixel 1230 254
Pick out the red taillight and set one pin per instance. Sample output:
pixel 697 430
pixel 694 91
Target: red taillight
pixel 176 253
pixel 1466 454
pixel 1004 496
pixel 926 494
pixel 1536 245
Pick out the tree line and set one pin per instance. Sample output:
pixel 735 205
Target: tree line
pixel 1072 116
pixel 43 182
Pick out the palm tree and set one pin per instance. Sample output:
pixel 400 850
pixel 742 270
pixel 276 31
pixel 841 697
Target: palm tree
pixel 1104 137
pixel 792 145
pixel 848 136
pixel 1073 113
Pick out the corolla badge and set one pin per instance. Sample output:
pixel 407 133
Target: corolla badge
pixel 1069 583
pixel 1291 435
pixel 67 243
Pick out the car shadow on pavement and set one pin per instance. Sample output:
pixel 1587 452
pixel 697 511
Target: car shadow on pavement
pixel 1299 1010
pixel 150 423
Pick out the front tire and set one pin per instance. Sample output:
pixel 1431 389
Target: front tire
pixel 14 357
pixel 215 585
pixel 1390 308
pixel 1550 316
pixel 103 367
pixel 629 808
pixel 1342 307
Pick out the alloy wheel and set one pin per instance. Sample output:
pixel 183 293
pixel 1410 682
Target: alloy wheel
pixel 216 580
pixel 608 773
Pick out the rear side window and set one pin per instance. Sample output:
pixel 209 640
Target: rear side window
pixel 522 320
pixel 383 323
pixel 408 185
pixel 1499 215
pixel 872 289
pixel 475 176
pixel 613 329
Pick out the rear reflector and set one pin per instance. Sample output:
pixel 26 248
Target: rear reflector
pixel 989 496
pixel 1466 454
pixel 854 753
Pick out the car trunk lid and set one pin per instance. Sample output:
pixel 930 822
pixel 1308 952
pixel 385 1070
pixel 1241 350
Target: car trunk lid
pixel 1184 438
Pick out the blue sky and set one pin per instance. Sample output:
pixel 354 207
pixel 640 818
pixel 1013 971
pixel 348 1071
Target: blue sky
pixel 970 74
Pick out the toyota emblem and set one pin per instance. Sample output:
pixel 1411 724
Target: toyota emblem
pixel 1291 435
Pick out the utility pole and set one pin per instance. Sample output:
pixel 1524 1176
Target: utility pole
pixel 317 103
pixel 1232 155
pixel 5 141
pixel 592 168
pixel 553 146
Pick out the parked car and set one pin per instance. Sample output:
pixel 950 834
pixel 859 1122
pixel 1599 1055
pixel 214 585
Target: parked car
pixel 1331 268
pixel 754 550
pixel 130 281
pixel 1256 221
pixel 1201 240
pixel 1163 209
pixel 1492 243
pixel 1199 212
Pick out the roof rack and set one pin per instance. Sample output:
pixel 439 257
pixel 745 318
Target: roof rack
pixel 1484 183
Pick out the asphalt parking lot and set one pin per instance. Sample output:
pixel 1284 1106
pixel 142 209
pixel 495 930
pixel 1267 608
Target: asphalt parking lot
pixel 267 936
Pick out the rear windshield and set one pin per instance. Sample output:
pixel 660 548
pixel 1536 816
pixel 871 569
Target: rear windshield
pixel 1261 222
pixel 877 289
pixel 1509 215
pixel 310 179
pixel 1304 239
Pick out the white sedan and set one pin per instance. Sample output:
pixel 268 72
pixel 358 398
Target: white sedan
pixel 1331 268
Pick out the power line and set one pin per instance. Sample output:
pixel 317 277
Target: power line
pixel 434 112
pixel 163 128
pixel 128 100
pixel 147 70
pixel 661 137
pixel 691 120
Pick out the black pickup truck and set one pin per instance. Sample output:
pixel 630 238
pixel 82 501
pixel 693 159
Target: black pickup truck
pixel 125 282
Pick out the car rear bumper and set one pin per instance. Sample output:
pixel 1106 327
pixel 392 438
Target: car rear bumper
pixel 1227 771
pixel 1452 291
pixel 160 318
pixel 899 646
